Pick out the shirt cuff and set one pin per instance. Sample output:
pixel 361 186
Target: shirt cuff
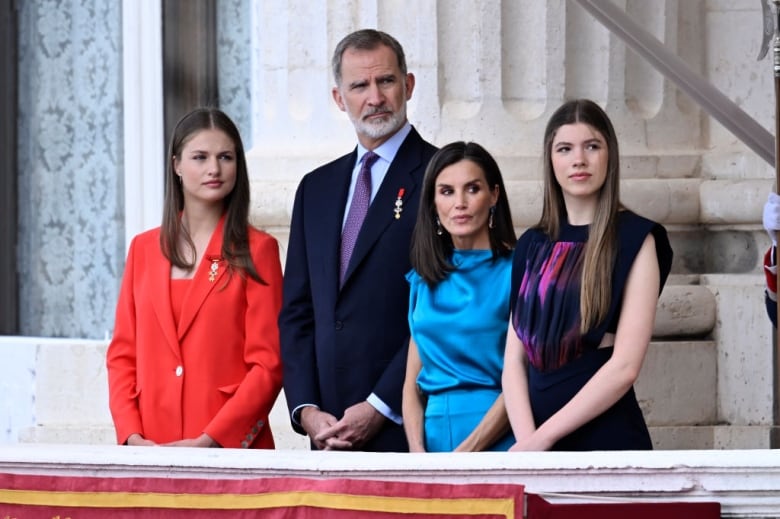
pixel 295 416
pixel 384 409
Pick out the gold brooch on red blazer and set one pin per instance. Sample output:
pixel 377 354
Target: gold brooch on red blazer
pixel 399 204
pixel 214 268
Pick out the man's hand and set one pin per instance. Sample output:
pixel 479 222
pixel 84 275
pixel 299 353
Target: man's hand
pixel 314 422
pixel 358 425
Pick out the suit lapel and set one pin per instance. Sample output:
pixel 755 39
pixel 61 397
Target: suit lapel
pixel 203 282
pixel 161 299
pixel 380 213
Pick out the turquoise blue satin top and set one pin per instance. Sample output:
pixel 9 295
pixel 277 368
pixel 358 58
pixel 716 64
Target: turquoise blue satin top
pixel 460 325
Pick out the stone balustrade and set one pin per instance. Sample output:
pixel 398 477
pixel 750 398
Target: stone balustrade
pixel 745 483
pixel 685 311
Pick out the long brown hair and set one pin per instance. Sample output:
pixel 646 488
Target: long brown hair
pixel 601 247
pixel 235 241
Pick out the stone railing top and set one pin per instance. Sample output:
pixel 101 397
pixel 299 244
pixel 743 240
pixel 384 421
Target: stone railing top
pixel 746 483
pixel 190 461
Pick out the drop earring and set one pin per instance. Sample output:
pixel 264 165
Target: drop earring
pixel 439 230
pixel 491 223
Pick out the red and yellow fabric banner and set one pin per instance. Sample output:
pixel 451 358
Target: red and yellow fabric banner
pixel 69 497
pixel 539 508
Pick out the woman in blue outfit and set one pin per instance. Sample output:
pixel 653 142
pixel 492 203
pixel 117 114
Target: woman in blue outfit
pixel 585 286
pixel 459 305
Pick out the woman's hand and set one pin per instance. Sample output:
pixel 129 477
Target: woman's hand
pixel 136 440
pixel 204 440
pixel 534 442
pixel 412 401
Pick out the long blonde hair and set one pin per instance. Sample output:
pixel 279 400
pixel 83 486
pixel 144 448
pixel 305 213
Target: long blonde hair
pixel 601 247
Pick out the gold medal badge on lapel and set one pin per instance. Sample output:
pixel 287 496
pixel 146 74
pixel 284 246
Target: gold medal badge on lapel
pixel 214 268
pixel 399 204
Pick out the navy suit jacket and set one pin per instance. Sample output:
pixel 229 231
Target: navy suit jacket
pixel 340 345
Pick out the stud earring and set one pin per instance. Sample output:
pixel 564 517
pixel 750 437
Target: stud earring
pixel 439 230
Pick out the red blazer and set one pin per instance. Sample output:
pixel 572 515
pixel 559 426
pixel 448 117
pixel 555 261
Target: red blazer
pixel 219 372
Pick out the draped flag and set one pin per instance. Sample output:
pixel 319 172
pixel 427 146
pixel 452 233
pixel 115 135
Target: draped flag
pixel 539 508
pixel 69 497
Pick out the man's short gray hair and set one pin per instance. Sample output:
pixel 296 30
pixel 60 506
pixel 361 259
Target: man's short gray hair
pixel 366 39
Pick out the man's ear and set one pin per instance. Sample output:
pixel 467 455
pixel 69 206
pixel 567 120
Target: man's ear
pixel 339 100
pixel 409 85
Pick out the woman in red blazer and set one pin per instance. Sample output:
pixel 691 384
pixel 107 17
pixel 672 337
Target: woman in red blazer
pixel 194 360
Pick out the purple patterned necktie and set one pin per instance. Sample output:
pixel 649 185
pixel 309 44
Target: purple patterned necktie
pixel 361 198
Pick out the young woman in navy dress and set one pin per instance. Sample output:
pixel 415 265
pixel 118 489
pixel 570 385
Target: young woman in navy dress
pixel 585 285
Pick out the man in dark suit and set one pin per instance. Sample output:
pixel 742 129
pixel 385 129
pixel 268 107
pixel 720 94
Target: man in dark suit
pixel 343 324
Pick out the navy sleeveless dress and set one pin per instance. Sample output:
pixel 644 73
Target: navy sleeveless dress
pixel 546 317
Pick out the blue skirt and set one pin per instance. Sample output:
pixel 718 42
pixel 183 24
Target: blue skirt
pixel 451 416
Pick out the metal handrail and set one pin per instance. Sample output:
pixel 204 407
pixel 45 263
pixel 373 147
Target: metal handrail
pixel 712 100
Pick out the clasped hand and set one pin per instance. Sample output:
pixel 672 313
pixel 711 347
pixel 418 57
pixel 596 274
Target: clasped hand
pixel 204 440
pixel 532 442
pixel 359 424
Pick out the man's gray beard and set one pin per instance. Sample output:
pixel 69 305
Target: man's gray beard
pixel 381 129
